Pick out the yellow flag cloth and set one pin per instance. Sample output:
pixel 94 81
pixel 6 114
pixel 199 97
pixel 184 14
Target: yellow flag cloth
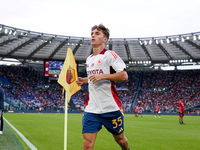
pixel 68 75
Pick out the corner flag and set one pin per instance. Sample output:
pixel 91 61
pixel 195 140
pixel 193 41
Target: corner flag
pixel 66 79
pixel 68 75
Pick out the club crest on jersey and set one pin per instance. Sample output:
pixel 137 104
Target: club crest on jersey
pixel 70 75
pixel 99 62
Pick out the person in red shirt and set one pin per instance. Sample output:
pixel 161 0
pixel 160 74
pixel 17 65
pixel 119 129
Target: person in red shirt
pixel 140 111
pixel 135 111
pixel 181 111
pixel 158 111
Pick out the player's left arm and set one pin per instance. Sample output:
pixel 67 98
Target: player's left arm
pixel 119 76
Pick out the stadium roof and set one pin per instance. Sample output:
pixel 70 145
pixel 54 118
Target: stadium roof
pixel 28 46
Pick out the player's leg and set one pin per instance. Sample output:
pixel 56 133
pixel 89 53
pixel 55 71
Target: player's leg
pixel 91 126
pixel 89 140
pixel 156 115
pixel 122 141
pixel 1 120
pixel 114 123
pixel 180 118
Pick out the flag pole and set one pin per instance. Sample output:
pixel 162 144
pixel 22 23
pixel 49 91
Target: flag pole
pixel 66 79
pixel 65 122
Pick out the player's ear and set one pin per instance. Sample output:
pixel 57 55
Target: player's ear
pixel 105 39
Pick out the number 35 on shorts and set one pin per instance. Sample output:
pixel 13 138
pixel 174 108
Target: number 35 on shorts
pixel 117 122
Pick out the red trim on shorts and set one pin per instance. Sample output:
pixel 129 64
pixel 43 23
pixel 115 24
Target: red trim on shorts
pixel 181 114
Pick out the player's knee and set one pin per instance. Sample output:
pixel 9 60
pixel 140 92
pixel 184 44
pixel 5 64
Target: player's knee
pixel 87 144
pixel 121 141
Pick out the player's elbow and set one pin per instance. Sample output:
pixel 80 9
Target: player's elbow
pixel 124 76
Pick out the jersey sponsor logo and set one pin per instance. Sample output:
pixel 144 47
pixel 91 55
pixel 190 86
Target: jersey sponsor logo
pixel 99 62
pixel 97 71
pixel 70 75
pixel 114 54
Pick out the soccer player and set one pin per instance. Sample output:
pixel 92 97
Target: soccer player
pixel 82 110
pixel 158 111
pixel 2 98
pixel 140 111
pixel 135 111
pixel 181 111
pixel 102 106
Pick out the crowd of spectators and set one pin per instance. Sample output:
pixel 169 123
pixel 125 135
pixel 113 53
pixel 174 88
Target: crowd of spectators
pixel 164 88
pixel 26 91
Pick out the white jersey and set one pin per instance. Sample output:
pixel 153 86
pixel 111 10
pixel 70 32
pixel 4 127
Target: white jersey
pixel 103 96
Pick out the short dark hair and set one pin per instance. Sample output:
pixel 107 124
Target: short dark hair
pixel 105 30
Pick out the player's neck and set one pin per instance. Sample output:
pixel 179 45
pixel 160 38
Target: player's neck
pixel 98 49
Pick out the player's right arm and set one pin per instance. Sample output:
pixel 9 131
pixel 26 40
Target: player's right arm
pixel 80 81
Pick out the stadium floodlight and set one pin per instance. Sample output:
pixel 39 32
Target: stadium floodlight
pixel 194 37
pixel 167 40
pixel 182 39
pixel 6 31
pixel 150 41
pixel 140 42
pixel 10 32
pixel 157 42
pixel 15 32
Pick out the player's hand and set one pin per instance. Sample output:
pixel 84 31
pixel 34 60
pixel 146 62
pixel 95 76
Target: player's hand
pixel 79 81
pixel 95 78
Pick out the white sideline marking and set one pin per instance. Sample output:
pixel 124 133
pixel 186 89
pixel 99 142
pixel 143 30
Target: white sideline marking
pixel 22 136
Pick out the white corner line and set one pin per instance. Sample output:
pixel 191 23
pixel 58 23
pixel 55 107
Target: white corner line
pixel 22 136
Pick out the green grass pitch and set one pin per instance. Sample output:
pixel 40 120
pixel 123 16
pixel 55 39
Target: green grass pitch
pixel 46 132
pixel 54 71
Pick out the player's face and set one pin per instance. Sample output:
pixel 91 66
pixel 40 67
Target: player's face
pixel 97 38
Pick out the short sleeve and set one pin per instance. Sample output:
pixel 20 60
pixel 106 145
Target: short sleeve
pixel 116 62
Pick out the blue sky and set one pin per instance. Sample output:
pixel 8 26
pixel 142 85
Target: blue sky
pixel 125 19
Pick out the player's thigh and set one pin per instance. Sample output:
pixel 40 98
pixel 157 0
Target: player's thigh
pixel 90 137
pixel 91 123
pixel 113 122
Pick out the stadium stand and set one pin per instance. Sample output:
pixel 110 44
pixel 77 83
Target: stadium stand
pixel 27 92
